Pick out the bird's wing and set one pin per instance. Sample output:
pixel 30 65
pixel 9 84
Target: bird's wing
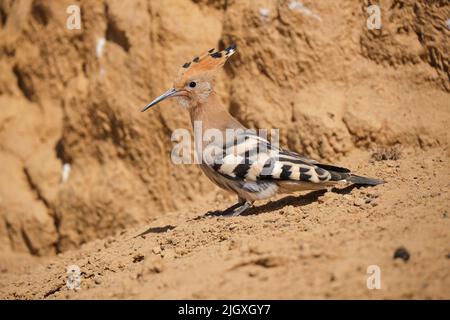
pixel 253 158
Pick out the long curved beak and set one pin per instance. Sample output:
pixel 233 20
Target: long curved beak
pixel 169 93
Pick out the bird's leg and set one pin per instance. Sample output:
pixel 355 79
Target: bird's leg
pixel 238 208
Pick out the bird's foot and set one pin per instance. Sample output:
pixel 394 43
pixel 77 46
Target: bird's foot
pixel 237 209
pixel 232 211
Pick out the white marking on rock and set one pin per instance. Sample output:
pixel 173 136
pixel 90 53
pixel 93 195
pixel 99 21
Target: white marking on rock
pixel 100 46
pixel 300 7
pixel 65 173
pixel 264 14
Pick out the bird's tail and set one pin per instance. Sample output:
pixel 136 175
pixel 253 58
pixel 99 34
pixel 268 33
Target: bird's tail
pixel 353 178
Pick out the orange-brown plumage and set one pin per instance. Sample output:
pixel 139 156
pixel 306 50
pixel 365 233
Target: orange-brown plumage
pixel 206 64
pixel 248 165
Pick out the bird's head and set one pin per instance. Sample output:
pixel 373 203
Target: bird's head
pixel 195 80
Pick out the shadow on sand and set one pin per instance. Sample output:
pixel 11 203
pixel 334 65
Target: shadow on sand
pixel 156 230
pixel 295 201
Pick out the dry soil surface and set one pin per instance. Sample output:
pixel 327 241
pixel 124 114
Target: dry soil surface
pixel 313 245
pixel 83 172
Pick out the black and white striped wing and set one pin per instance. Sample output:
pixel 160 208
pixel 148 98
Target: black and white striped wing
pixel 252 158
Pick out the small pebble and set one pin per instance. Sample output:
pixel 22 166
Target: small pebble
pixel 156 268
pixel 156 250
pixel 401 253
pixel 138 258
pixel 359 202
pixel 168 254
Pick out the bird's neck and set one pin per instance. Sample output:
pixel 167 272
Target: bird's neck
pixel 213 115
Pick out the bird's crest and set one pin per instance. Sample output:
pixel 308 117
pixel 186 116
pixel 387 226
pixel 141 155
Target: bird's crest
pixel 209 61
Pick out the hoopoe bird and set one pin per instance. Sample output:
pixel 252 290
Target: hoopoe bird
pixel 248 165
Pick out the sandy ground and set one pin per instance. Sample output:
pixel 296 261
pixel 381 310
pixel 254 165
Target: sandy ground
pixel 86 179
pixel 315 245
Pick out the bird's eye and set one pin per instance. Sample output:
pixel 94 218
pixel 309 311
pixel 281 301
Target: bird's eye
pixel 192 84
